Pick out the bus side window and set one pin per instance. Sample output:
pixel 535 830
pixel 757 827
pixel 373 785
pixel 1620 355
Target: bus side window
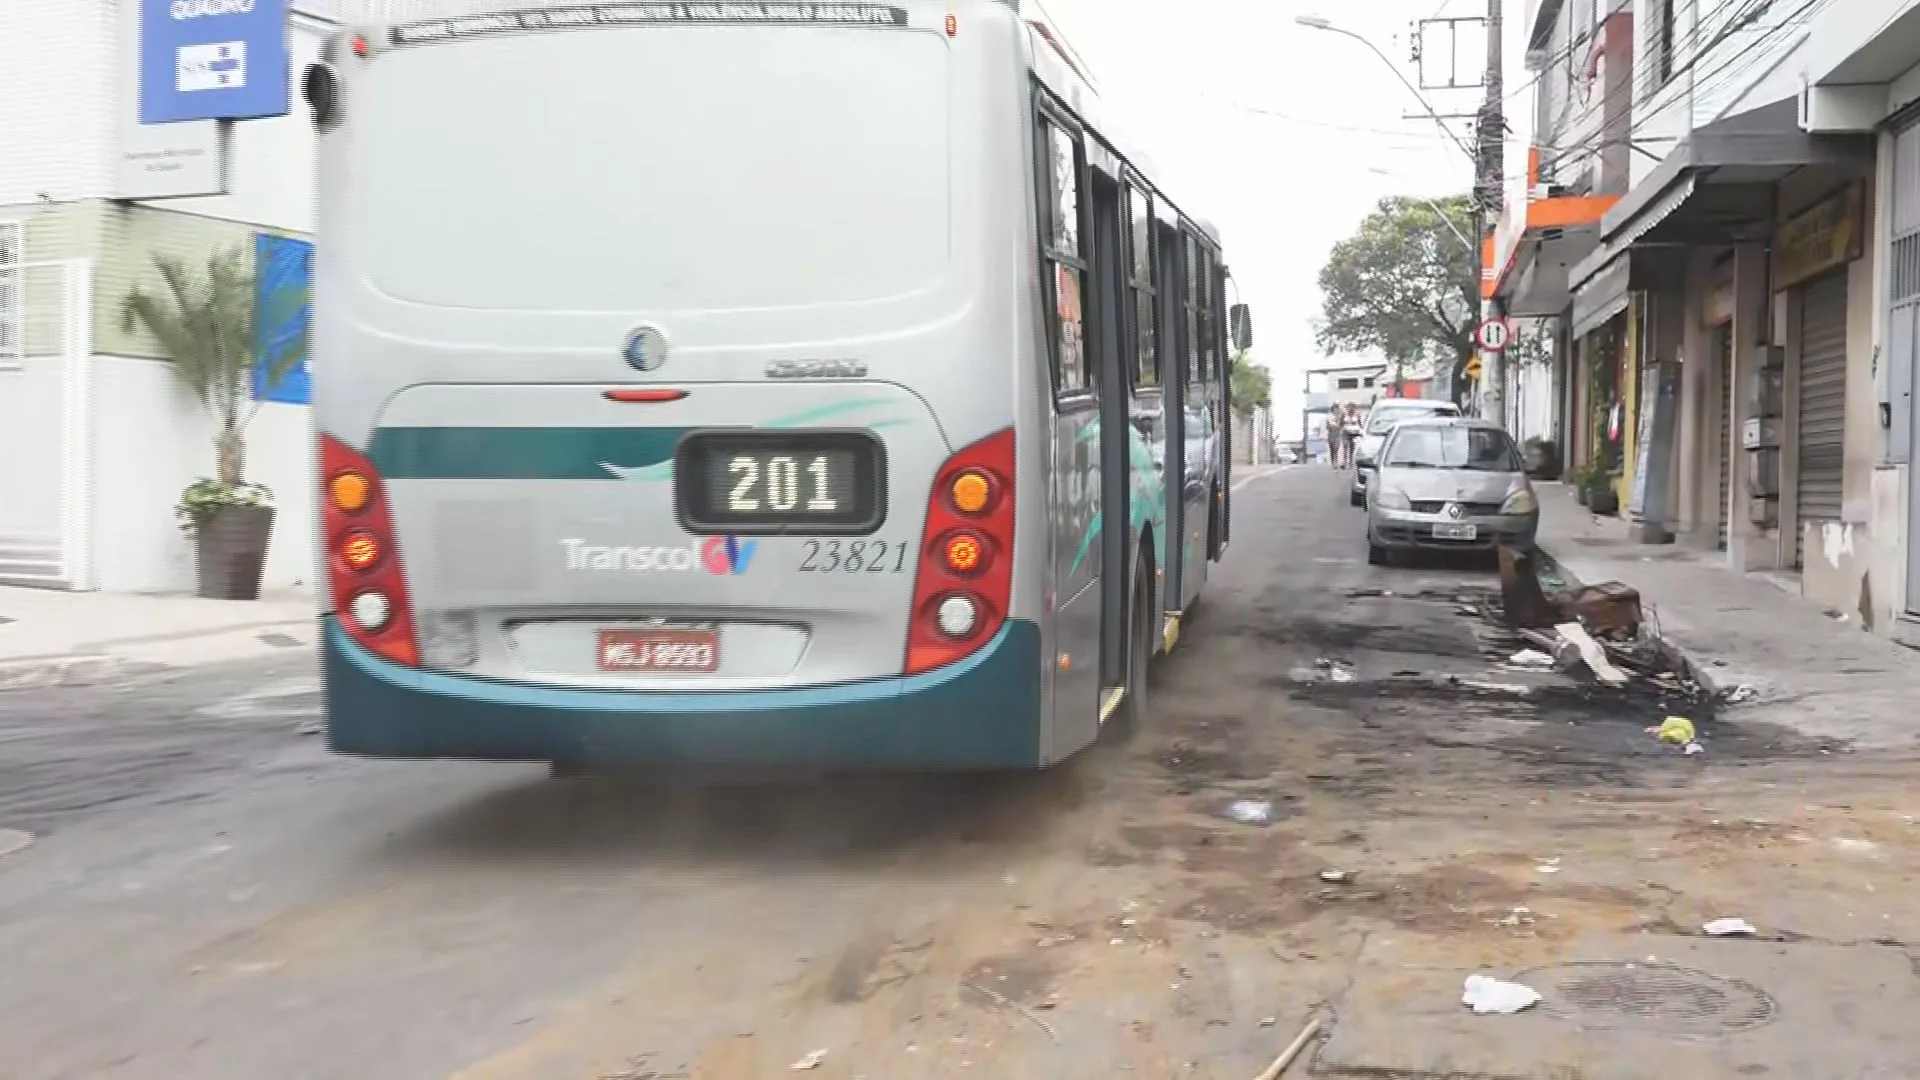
pixel 1193 365
pixel 1064 254
pixel 1140 274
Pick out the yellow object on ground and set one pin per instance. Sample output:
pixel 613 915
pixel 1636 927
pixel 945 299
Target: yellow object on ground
pixel 1677 730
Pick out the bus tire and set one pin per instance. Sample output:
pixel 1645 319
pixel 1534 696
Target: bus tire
pixel 1140 647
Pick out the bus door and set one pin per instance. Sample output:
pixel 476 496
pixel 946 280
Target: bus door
pixel 1174 360
pixel 1078 556
pixel 1111 380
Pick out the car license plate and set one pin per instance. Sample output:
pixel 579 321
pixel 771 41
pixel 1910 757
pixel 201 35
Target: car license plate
pixel 1455 532
pixel 692 651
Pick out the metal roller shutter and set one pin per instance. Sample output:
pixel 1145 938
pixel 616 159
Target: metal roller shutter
pixel 1823 405
pixel 1724 341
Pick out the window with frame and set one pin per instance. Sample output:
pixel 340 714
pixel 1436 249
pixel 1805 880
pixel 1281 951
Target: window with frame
pixel 1663 43
pixel 1207 329
pixel 13 320
pixel 1191 363
pixel 1140 277
pixel 1063 255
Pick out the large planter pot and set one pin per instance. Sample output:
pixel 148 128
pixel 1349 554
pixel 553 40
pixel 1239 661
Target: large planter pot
pixel 1605 501
pixel 1582 494
pixel 230 552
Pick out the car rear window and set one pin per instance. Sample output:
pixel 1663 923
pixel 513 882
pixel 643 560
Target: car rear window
pixel 1384 419
pixel 1432 446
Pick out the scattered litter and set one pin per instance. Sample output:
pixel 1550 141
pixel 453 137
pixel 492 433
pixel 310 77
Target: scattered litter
pixel 1299 1043
pixel 1337 670
pixel 1006 1002
pixel 12 840
pixel 1251 811
pixel 1337 877
pixel 1592 653
pixel 1269 1021
pixel 1487 686
pixel 1530 658
pixel 1519 916
pixel 1485 994
pixel 1551 866
pixel 1675 730
pixel 811 1061
pixel 1694 748
pixel 1740 693
pixel 1858 847
pixel 310 727
pixel 1728 928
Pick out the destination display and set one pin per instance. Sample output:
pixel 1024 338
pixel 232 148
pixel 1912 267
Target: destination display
pixel 779 482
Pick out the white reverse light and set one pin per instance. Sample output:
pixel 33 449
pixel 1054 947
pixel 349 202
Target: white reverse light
pixel 956 616
pixel 371 610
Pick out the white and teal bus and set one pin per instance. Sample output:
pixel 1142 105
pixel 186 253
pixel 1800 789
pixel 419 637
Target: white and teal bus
pixel 750 385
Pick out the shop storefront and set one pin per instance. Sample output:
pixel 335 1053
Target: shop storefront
pixel 1812 251
pixel 1716 318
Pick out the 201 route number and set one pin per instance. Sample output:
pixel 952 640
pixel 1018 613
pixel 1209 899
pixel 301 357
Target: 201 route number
pixel 778 478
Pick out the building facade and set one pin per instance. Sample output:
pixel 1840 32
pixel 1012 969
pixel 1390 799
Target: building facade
pixel 105 435
pixel 1737 325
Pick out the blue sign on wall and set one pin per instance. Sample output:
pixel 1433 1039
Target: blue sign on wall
pixel 283 314
pixel 213 60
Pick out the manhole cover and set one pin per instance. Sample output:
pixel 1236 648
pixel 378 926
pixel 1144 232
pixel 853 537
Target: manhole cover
pixel 1650 997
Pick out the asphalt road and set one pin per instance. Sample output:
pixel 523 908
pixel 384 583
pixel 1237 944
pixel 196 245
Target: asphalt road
pixel 212 895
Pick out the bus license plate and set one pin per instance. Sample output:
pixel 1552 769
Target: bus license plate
pixel 691 651
pixel 1456 532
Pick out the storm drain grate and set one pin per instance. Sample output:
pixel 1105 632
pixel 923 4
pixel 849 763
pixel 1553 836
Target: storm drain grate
pixel 1657 998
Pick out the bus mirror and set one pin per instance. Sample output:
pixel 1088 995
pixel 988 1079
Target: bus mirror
pixel 1240 325
pixel 321 89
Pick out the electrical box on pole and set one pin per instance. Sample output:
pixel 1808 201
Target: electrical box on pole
pixel 1447 53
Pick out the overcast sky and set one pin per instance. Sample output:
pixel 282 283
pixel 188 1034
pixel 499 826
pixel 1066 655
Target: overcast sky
pixel 1190 78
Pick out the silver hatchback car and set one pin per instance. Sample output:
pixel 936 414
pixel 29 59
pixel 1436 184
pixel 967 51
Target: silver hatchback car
pixel 1448 484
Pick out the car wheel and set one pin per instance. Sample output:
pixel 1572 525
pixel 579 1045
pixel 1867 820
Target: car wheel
pixel 1356 499
pixel 1376 554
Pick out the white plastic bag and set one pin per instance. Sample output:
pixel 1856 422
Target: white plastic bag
pixel 1485 994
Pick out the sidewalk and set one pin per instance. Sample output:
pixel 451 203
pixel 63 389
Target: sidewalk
pixel 1821 676
pixel 49 637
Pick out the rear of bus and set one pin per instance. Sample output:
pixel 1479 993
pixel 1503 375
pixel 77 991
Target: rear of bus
pixel 665 369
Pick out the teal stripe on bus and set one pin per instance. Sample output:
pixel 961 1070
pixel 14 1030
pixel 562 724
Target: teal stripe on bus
pixel 519 453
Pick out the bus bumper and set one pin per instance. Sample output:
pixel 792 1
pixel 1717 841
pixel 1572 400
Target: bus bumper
pixel 981 713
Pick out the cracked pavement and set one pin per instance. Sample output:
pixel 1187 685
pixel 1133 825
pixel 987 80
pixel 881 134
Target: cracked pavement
pixel 210 894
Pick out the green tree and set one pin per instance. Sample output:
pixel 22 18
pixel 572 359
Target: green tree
pixel 1402 281
pixel 1252 385
pixel 204 318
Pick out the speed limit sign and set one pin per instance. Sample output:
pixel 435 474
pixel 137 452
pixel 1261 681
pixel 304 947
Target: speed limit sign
pixel 1493 334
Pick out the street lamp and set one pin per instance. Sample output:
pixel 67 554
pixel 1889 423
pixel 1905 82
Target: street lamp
pixel 1315 22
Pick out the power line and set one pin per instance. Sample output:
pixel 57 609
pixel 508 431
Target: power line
pixel 1726 70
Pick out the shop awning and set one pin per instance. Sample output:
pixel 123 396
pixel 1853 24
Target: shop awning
pixel 1602 281
pixel 1721 175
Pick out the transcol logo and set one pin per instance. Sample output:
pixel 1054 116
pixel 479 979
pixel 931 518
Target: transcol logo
pixel 723 556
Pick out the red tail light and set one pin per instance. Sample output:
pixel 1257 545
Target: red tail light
pixel 363 562
pixel 964 575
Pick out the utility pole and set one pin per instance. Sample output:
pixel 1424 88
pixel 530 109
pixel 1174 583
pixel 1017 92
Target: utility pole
pixel 1489 197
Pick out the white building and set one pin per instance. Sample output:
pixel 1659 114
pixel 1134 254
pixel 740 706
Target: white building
pixel 1709 201
pixel 103 436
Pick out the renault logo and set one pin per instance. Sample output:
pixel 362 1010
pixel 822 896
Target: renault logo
pixel 646 348
pixel 1454 511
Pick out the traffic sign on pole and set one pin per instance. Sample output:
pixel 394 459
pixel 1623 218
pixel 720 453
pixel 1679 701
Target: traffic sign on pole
pixel 1492 335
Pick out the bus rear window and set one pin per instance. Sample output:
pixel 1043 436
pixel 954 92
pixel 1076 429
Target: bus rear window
pixel 670 169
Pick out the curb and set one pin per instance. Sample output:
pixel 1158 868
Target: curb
pixel 148 655
pixel 1671 650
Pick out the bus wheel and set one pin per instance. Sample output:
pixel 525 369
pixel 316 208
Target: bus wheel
pixel 1140 642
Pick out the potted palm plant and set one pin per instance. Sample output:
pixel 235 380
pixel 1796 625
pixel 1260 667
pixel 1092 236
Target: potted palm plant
pixel 204 319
